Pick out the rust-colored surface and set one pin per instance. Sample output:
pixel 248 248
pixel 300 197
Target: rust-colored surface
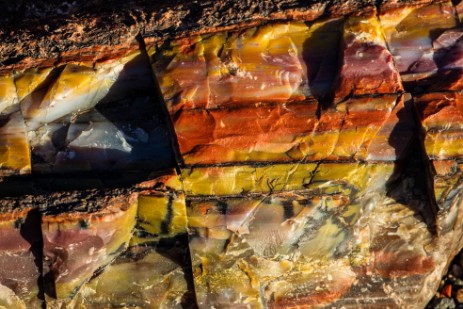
pixel 317 147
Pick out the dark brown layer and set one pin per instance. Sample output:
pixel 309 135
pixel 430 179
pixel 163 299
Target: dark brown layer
pixel 43 32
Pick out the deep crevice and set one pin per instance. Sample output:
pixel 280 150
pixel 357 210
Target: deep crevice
pixel 409 164
pixel 162 107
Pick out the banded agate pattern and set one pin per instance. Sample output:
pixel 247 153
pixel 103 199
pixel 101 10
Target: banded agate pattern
pixel 281 165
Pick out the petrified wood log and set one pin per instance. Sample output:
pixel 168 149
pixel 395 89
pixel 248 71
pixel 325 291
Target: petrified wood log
pixel 223 154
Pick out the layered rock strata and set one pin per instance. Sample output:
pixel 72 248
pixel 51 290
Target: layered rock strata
pixel 98 248
pixel 318 156
pixel 136 255
pixel 266 233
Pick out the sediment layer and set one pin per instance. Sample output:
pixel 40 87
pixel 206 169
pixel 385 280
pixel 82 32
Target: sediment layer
pixel 315 146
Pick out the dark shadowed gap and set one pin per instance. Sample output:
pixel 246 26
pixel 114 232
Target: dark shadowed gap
pixel 138 107
pixel 149 116
pixel 447 59
pixel 31 231
pixel 410 165
pixel 181 254
pixel 164 113
pixel 322 65
pixel 177 250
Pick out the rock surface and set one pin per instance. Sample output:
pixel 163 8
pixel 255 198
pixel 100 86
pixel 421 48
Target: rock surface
pixel 316 148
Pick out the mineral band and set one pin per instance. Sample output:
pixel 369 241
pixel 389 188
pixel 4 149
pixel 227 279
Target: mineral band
pixel 316 151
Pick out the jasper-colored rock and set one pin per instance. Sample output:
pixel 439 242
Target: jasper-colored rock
pixel 20 258
pixel 154 270
pixel 273 241
pixel 267 64
pixel 258 133
pixel 317 145
pixel 411 34
pixel 77 245
pixel 367 67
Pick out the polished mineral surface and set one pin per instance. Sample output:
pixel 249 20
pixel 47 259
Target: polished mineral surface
pixel 280 192
pixel 19 252
pixel 307 162
pixel 134 250
pixel 83 117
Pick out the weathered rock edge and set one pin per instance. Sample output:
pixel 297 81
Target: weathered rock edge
pixel 42 33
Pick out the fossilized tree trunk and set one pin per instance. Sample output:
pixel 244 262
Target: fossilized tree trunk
pixel 303 153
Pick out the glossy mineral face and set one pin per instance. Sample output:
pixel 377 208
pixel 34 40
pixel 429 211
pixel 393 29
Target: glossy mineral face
pixel 318 165
pixel 281 186
pixel 83 117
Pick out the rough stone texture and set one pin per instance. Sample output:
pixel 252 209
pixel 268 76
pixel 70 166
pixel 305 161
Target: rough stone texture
pixel 73 248
pixel 423 47
pixel 364 49
pixel 21 258
pixel 46 33
pixel 76 245
pixel 272 227
pixel 302 182
pixel 383 262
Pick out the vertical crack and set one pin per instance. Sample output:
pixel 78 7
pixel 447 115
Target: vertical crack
pixel 31 231
pixel 407 164
pixel 164 113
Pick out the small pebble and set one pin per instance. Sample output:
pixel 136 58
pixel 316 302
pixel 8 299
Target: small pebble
pixel 459 295
pixel 458 282
pixel 444 303
pixel 447 291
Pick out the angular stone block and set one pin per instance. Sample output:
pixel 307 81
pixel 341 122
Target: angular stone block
pixel 14 146
pixel 154 271
pixel 345 239
pixel 411 32
pixel 87 117
pixel 76 244
pixel 20 257
pixel 258 133
pixel 367 67
pixel 278 62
